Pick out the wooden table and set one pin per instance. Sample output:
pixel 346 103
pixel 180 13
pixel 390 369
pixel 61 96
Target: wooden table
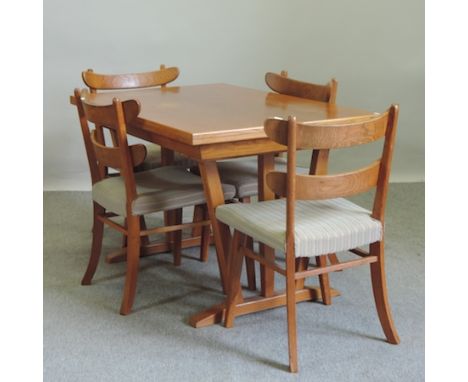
pixel 219 121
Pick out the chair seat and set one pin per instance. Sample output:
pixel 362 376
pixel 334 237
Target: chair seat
pixel 321 226
pixel 242 174
pixel 153 159
pixel 161 189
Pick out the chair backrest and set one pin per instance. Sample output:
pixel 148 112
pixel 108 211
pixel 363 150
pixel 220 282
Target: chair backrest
pixel 121 156
pixel 280 83
pixel 331 135
pixel 155 78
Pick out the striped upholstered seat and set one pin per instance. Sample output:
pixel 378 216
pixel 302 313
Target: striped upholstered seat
pixel 153 159
pixel 243 174
pixel 161 189
pixel 321 226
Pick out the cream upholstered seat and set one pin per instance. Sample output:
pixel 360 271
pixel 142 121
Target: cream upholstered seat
pixel 243 175
pixel 153 159
pixel 322 226
pixel 161 189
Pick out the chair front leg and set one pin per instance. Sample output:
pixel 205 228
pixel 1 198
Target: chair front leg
pixel 96 246
pixel 198 215
pixel 379 287
pixel 250 266
pixel 291 311
pixel 133 260
pixel 249 263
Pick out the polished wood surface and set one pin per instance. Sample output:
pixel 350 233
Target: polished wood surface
pixel 193 114
pixel 282 84
pixel 326 186
pixel 330 134
pixel 161 77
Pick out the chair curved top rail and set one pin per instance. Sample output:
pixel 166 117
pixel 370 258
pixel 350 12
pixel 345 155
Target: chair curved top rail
pixel 96 81
pixel 330 134
pixel 280 83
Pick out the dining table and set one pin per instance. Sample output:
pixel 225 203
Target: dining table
pixel 213 122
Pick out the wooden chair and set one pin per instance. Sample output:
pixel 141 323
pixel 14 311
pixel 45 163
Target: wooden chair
pixel 133 195
pixel 314 219
pixel 157 78
pixel 243 173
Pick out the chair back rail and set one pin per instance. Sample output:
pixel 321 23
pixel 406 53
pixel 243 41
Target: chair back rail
pixel 326 186
pixel 324 93
pixel 280 83
pixel 96 81
pixel 121 156
pixel 110 156
pixel 329 135
pixel 104 116
pixel 161 77
pixel 334 134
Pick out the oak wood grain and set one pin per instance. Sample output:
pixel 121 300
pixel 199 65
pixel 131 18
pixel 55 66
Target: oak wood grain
pixel 193 114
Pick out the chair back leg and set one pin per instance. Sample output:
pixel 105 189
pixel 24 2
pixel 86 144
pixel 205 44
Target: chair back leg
pixel 234 274
pixel 133 260
pixel 291 312
pixel 324 280
pixel 96 246
pixel 379 287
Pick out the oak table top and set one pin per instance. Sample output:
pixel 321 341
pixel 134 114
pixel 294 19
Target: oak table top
pixel 216 113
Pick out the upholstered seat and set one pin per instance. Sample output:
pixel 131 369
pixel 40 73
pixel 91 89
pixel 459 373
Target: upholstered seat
pixel 162 189
pixel 322 226
pixel 153 159
pixel 242 174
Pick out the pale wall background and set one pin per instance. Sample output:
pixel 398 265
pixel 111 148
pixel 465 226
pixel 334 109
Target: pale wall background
pixel 375 48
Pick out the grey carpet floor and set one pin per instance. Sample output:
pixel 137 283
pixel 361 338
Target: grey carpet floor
pixel 85 339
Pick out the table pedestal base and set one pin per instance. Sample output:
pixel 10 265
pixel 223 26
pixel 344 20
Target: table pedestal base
pixel 216 313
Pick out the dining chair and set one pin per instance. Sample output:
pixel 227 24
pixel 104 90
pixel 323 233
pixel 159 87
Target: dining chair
pixel 313 218
pixel 157 78
pixel 243 173
pixel 133 194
